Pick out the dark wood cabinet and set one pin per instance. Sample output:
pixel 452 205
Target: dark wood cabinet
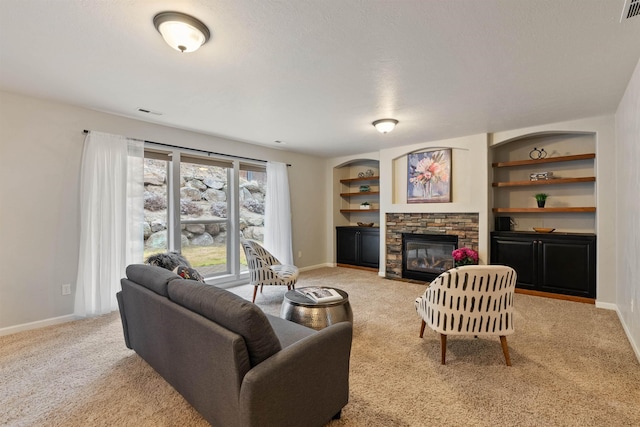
pixel 561 263
pixel 359 246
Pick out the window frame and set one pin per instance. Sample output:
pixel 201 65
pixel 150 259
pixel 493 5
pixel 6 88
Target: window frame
pixel 174 157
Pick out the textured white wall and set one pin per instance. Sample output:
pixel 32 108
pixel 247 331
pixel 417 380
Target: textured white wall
pixel 628 210
pixel 41 146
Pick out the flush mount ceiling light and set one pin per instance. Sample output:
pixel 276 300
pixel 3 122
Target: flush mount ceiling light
pixel 182 32
pixel 385 125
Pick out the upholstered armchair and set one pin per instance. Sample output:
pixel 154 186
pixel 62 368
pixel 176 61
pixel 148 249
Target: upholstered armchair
pixel 470 300
pixel 265 269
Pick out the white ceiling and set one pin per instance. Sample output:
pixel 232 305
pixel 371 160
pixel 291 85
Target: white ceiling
pixel 315 73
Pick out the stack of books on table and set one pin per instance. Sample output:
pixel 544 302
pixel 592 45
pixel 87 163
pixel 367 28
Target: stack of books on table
pixel 538 176
pixel 320 294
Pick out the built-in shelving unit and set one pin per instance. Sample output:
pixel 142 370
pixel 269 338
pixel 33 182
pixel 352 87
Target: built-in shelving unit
pixel 357 229
pixel 544 182
pixel 350 195
pixel 560 261
pixel 545 160
pixel 545 210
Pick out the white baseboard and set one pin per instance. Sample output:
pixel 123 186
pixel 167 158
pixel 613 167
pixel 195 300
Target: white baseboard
pixel 634 345
pixel 38 324
pixel 607 306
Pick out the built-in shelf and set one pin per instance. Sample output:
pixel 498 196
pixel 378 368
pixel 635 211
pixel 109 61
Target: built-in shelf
pixel 544 210
pixel 366 178
pixel 545 182
pixel 545 160
pixel 360 193
pixel 349 193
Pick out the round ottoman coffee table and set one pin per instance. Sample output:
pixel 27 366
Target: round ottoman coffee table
pixel 317 315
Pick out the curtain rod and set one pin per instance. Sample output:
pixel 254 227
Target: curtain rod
pixel 201 151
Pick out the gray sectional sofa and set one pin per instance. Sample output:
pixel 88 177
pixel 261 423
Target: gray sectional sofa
pixel 235 364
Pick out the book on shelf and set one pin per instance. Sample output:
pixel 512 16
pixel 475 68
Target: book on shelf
pixel 541 176
pixel 320 294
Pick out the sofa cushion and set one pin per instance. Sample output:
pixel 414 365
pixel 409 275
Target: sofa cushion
pixel 231 312
pixel 287 331
pixel 151 277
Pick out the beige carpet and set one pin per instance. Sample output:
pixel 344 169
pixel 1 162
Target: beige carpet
pixel 572 366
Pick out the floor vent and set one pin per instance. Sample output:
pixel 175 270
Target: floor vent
pixel 631 9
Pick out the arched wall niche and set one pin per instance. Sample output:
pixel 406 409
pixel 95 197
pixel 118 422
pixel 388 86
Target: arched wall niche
pixel 351 168
pixel 400 173
pixel 528 146
pixel 496 141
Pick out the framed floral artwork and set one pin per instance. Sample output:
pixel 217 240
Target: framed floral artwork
pixel 429 176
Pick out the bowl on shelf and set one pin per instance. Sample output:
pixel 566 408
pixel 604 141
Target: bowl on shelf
pixel 543 230
pixel 365 224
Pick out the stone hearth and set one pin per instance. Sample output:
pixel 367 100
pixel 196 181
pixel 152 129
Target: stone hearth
pixel 463 225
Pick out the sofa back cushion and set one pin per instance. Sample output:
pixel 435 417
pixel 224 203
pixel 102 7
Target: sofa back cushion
pixel 151 277
pixel 231 312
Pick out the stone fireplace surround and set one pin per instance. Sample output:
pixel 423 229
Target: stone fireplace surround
pixel 463 225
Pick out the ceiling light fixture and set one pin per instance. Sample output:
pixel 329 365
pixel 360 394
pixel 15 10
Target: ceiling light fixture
pixel 385 125
pixel 181 31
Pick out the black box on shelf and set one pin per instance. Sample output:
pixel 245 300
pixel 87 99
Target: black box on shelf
pixel 503 223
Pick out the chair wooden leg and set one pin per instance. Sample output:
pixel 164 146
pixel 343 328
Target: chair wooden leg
pixel 261 287
pixel 422 328
pixel 255 291
pixel 505 349
pixel 443 347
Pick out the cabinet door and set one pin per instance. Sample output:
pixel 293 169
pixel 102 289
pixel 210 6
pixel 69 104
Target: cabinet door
pixel 346 250
pixel 518 254
pixel 370 248
pixel 568 267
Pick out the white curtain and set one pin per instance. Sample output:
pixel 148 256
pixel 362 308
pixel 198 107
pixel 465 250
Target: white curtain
pixel 277 216
pixel 111 216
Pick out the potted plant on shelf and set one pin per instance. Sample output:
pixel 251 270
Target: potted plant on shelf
pixel 365 205
pixel 541 198
pixel 464 256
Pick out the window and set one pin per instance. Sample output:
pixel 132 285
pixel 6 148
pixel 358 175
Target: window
pixel 200 206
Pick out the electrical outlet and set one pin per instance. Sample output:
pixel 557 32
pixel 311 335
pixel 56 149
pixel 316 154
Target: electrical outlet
pixel 66 289
pixel 299 254
pixel 632 306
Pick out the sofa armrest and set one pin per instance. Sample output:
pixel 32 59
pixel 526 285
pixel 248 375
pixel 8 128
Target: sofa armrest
pixel 123 318
pixel 306 383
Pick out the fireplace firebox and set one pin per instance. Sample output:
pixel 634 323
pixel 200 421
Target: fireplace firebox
pixel 425 256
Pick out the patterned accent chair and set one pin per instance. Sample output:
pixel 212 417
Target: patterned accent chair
pixel 265 269
pixel 470 300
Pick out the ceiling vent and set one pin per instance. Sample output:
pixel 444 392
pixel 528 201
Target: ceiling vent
pixel 144 110
pixel 631 9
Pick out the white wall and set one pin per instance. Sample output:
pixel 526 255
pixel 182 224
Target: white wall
pixel 627 246
pixel 40 152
